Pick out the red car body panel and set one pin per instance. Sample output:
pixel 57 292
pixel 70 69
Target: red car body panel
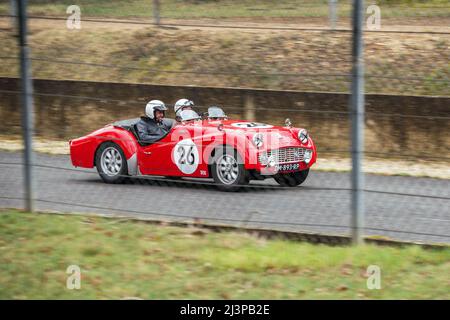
pixel 82 150
pixel 206 135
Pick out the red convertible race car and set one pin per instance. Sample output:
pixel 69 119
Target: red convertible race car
pixel 229 151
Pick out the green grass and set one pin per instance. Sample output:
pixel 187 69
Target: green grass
pixel 121 259
pixel 182 9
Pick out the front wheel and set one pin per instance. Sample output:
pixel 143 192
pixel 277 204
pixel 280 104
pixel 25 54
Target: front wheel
pixel 228 170
pixel 291 179
pixel 111 163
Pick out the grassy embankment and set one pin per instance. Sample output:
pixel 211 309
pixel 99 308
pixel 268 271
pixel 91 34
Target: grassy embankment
pixel 120 258
pixel 243 58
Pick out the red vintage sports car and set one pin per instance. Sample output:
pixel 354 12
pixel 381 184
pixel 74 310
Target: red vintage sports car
pixel 229 151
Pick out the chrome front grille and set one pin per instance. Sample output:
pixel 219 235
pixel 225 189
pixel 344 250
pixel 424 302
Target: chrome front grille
pixel 285 155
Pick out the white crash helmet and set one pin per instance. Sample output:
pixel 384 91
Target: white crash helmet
pixel 180 104
pixel 154 105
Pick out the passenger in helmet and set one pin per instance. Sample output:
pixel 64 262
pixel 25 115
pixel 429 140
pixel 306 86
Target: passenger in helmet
pixel 153 126
pixel 180 105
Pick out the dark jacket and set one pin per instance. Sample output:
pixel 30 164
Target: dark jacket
pixel 150 131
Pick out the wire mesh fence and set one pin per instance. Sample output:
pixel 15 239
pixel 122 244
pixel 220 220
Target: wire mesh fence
pixel 201 46
pixel 417 63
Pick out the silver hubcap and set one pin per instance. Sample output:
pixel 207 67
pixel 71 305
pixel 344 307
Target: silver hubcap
pixel 227 169
pixel 111 161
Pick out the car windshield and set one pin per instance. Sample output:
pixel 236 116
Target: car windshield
pixel 187 115
pixel 216 112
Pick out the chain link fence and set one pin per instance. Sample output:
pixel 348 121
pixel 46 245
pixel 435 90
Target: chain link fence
pixel 293 60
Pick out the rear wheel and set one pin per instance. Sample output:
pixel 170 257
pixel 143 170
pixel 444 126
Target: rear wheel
pixel 228 169
pixel 291 179
pixel 111 163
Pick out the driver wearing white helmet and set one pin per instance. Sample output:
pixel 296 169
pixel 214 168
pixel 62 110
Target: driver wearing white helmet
pixel 181 105
pixel 152 126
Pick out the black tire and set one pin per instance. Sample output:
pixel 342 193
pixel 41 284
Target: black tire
pixel 109 175
pixel 173 177
pixel 291 179
pixel 237 175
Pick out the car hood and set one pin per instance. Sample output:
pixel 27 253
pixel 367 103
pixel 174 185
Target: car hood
pixel 247 126
pixel 274 136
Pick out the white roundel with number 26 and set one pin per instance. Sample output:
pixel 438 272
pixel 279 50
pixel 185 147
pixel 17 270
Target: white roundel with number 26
pixel 185 155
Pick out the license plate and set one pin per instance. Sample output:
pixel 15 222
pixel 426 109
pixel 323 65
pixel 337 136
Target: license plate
pixel 287 167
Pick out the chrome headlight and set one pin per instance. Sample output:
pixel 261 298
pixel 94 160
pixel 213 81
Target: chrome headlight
pixel 258 140
pixel 308 155
pixel 303 136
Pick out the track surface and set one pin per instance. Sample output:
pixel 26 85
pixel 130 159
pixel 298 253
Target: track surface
pixel 404 208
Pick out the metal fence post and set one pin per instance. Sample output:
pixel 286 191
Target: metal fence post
pixel 357 115
pixel 156 16
pixel 27 106
pixel 249 107
pixel 332 13
pixel 13 13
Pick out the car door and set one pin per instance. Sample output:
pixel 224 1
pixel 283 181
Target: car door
pixel 155 159
pixel 178 154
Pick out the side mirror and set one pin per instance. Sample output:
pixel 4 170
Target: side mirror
pixel 288 123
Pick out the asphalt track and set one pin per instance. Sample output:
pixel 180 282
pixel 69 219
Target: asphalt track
pixel 398 207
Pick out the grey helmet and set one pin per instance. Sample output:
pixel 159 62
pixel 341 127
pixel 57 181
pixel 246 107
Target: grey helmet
pixel 180 104
pixel 154 105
